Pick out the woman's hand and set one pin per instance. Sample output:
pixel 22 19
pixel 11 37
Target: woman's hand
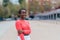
pixel 20 31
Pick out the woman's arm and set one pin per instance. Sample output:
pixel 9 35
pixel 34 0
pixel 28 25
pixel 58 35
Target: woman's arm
pixel 19 29
pixel 28 31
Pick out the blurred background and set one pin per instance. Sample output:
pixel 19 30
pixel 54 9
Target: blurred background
pixel 36 9
pixel 43 15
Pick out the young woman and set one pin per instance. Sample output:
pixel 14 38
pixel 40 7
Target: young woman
pixel 23 26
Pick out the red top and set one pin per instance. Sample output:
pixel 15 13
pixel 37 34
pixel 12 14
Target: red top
pixel 23 25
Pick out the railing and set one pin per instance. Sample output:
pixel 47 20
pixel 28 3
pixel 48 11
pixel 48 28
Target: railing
pixel 52 15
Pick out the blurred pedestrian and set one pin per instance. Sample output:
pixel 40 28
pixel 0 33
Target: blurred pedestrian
pixel 15 17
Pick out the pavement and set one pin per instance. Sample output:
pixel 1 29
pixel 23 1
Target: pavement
pixel 41 30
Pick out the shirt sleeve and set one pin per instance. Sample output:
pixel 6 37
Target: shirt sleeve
pixel 28 31
pixel 22 36
pixel 18 27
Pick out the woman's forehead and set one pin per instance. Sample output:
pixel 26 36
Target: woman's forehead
pixel 23 10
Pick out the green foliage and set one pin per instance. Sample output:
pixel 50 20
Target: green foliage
pixel 13 9
pixel 47 6
pixel 20 1
pixel 1 11
pixel 5 3
pixel 8 8
pixel 35 6
pixel 6 11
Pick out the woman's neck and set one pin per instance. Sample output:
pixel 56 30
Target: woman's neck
pixel 22 19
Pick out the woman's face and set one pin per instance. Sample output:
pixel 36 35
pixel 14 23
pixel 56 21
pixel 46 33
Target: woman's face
pixel 23 14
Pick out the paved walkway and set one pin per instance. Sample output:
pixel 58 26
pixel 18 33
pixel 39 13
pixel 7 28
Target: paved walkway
pixel 41 30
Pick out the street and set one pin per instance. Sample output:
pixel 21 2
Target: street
pixel 41 30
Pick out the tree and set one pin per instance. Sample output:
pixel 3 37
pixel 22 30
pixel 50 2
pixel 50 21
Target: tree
pixel 20 1
pixel 47 6
pixel 34 5
pixel 1 11
pixel 5 2
pixel 14 9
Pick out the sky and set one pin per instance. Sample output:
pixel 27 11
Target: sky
pixel 14 1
